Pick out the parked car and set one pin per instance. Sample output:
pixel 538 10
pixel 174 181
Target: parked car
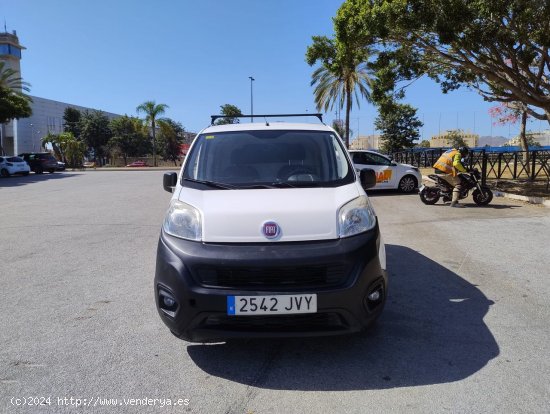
pixel 13 165
pixel 269 233
pixel 40 161
pixel 389 174
pixel 138 164
pixel 61 166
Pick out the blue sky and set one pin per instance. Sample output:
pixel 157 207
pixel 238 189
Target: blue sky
pixel 197 55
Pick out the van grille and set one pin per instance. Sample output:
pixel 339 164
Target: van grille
pixel 316 322
pixel 279 278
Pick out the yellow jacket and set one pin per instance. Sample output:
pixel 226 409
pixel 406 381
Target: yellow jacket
pixel 450 162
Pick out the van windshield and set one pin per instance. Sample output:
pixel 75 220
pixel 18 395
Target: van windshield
pixel 267 159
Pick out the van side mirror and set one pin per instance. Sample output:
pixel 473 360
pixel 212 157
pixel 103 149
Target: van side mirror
pixel 367 177
pixel 169 181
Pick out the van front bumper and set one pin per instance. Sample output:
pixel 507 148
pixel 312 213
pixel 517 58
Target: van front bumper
pixel 198 277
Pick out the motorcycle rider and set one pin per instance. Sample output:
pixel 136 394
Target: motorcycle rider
pixel 450 163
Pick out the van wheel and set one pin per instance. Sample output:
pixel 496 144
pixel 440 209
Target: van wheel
pixel 51 171
pixel 5 172
pixel 39 170
pixel 407 184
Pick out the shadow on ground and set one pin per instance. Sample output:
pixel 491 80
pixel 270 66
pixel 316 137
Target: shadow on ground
pixel 431 332
pixel 469 205
pixel 390 192
pixel 32 178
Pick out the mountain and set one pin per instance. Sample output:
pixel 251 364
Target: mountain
pixel 492 141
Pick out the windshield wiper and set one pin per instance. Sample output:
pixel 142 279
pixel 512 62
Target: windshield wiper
pixel 281 184
pixel 212 184
pixel 277 184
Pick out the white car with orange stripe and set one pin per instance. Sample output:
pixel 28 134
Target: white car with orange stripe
pixel 389 175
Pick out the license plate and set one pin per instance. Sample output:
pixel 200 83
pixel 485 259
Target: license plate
pixel 271 305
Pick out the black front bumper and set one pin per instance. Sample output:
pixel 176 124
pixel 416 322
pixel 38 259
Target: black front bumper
pixel 200 276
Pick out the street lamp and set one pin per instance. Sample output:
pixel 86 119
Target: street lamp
pixel 37 134
pixel 32 136
pixel 251 100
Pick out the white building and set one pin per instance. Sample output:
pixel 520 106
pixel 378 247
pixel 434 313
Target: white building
pixel 371 142
pixel 47 117
pixel 542 138
pixel 444 139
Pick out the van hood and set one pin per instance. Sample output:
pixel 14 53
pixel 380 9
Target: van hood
pixel 238 216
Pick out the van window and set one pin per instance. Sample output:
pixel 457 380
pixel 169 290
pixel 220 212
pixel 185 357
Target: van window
pixel 277 158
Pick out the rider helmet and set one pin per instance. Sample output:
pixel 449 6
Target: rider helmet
pixel 463 151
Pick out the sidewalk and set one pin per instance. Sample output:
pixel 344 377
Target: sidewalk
pixel 531 200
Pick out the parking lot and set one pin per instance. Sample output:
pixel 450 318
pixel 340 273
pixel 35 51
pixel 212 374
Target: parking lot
pixel 465 328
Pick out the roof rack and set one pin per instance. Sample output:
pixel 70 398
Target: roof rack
pixel 214 117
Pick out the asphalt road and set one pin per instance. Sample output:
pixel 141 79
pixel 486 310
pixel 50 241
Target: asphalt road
pixel 465 328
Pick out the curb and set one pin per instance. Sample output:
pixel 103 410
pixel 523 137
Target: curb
pixel 531 200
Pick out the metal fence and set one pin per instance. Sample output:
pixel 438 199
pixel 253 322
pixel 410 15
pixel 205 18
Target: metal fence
pixel 494 163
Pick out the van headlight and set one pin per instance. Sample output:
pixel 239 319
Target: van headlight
pixel 183 221
pixel 356 217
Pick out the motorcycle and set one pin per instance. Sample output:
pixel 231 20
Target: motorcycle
pixel 482 195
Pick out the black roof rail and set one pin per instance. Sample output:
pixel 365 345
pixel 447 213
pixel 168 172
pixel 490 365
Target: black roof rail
pixel 214 117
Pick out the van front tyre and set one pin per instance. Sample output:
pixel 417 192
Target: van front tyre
pixel 4 172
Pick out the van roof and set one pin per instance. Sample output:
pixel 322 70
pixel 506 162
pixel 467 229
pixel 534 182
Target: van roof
pixel 263 126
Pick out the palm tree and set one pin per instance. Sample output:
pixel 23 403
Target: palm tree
pixel 153 111
pixel 13 102
pixel 9 79
pixel 343 76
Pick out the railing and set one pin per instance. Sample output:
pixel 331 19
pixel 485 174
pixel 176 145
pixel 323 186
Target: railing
pixel 494 163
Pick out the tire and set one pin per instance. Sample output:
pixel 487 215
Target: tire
pixel 51 171
pixel 429 195
pixel 39 170
pixel 4 173
pixel 25 173
pixel 407 184
pixel 482 199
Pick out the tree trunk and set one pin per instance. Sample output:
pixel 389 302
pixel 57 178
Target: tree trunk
pixel 523 143
pixel 154 144
pixel 348 110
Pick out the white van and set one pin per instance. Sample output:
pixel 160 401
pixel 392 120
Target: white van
pixel 269 233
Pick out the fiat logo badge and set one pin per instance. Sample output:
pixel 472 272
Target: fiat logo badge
pixel 270 230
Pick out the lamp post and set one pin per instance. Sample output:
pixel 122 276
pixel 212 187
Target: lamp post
pixel 251 100
pixel 33 143
pixel 32 136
